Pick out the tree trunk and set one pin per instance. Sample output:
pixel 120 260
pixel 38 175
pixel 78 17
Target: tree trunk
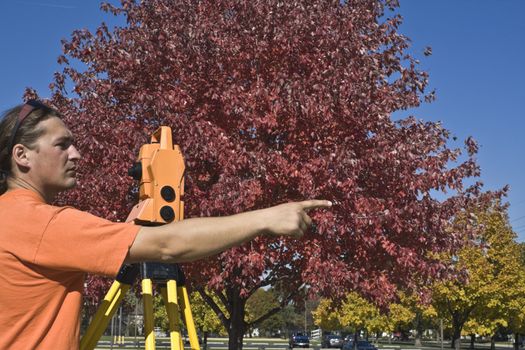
pixel 456 337
pixel 356 336
pixel 493 343
pixel 205 340
pixel 237 324
pixel 516 341
pixel 457 326
pixel 417 341
pixel 472 340
pixel 419 330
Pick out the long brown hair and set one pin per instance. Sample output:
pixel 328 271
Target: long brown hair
pixel 26 134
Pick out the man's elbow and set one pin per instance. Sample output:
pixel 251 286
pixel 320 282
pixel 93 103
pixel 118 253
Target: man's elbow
pixel 153 245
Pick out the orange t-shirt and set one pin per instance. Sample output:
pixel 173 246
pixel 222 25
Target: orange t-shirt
pixel 45 253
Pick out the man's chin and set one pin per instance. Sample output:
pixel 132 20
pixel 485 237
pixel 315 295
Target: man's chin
pixel 71 183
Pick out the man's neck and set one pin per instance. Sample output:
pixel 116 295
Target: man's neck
pixel 19 182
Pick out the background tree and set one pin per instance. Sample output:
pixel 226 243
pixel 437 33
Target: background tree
pixel 479 303
pixel 258 305
pixel 356 314
pixel 273 101
pixel 160 314
pixel 517 314
pixel 294 317
pixel 400 318
pixel 326 316
pixel 206 320
pixel 515 298
pixel 421 311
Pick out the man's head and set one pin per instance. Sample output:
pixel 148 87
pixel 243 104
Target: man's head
pixel 36 149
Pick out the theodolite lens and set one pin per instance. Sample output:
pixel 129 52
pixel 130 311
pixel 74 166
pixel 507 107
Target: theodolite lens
pixel 167 213
pixel 136 171
pixel 167 193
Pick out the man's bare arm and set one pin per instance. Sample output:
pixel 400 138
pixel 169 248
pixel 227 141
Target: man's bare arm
pixel 196 238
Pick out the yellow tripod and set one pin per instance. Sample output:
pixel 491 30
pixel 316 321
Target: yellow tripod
pixel 160 170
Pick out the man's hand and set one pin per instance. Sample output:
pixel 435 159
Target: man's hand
pixel 290 219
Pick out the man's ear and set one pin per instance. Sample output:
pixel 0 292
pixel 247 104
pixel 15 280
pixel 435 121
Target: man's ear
pixel 21 155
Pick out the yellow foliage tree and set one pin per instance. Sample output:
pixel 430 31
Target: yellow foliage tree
pixel 418 315
pixel 480 303
pixel 355 314
pixel 326 316
pixel 516 304
pixel 206 320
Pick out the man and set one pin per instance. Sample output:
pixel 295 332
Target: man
pixel 45 251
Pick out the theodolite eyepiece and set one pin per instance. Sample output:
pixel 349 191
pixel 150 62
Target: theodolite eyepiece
pixel 136 171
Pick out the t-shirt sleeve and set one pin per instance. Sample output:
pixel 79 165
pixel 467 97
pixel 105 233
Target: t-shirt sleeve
pixel 78 241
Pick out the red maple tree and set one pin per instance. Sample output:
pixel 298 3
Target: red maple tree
pixel 273 101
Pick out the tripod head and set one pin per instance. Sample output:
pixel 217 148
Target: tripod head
pixel 160 171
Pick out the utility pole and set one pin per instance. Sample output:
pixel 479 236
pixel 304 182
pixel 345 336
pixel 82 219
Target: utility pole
pixel 305 319
pixel 441 331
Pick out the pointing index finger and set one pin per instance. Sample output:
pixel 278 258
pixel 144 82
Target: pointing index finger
pixel 315 203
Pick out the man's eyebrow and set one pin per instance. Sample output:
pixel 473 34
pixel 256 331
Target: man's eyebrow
pixel 69 138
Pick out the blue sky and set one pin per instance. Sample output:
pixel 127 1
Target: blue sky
pixel 477 69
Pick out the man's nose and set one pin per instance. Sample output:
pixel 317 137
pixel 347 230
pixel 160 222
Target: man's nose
pixel 74 154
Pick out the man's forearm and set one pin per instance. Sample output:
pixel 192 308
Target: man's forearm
pixel 192 239
pixel 196 238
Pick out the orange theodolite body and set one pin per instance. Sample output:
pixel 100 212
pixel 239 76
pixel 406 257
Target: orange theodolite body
pixel 160 169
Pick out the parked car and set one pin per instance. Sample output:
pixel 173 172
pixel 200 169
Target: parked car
pixel 332 341
pixel 348 338
pixel 361 345
pixel 159 332
pixel 299 341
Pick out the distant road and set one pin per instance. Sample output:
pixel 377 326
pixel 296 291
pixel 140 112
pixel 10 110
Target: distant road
pixel 282 344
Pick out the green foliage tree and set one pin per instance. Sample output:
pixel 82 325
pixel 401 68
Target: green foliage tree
pixel 206 320
pixel 258 305
pixel 160 314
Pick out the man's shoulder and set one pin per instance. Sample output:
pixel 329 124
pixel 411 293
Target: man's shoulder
pixel 25 203
pixel 22 195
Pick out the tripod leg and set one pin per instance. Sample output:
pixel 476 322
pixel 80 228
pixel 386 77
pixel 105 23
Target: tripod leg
pixel 147 295
pixel 169 295
pixel 104 313
pixel 184 302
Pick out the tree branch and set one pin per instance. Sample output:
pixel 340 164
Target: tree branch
pixel 209 300
pixel 276 309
